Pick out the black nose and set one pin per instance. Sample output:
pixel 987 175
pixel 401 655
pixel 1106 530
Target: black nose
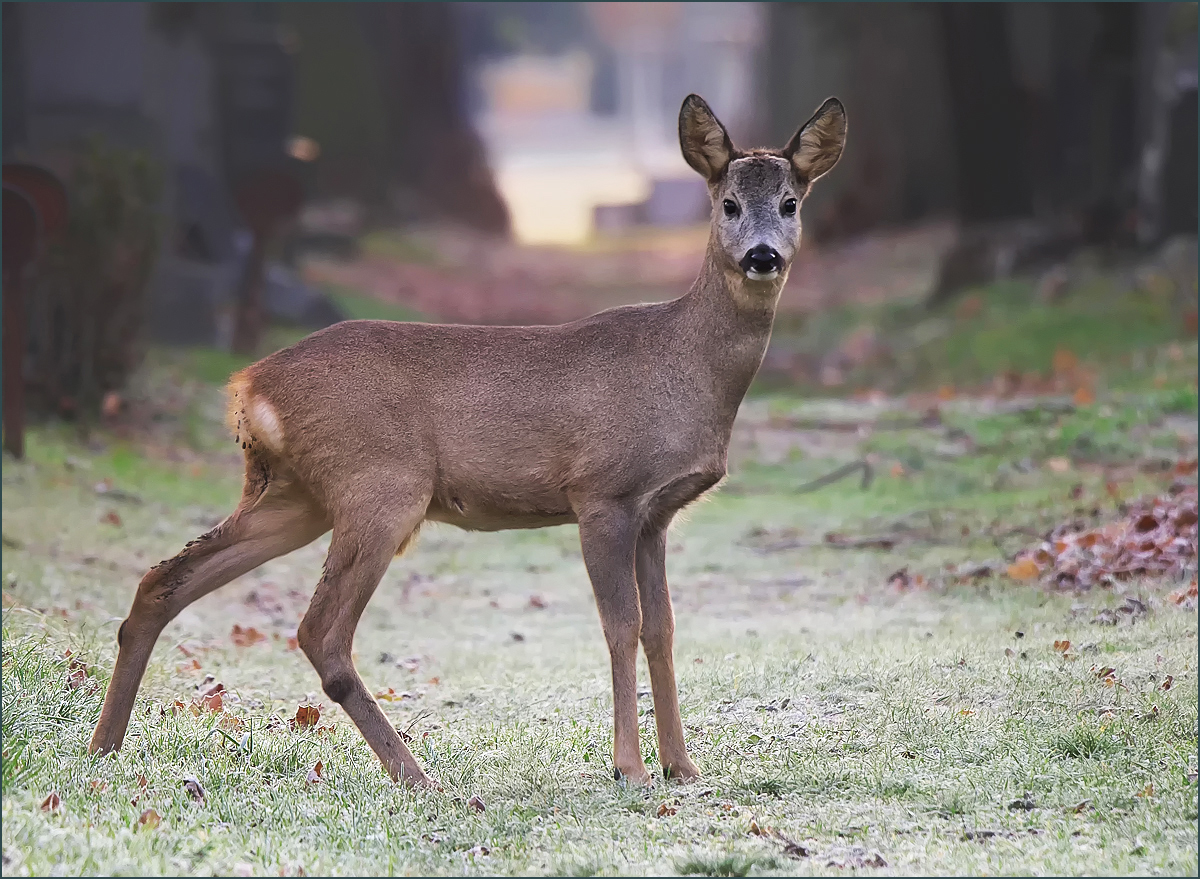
pixel 762 260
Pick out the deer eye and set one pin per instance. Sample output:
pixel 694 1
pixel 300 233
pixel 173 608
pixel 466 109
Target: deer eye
pixel 731 209
pixel 788 208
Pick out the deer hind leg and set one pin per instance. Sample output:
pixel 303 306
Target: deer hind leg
pixel 363 544
pixel 658 635
pixel 273 518
pixel 608 537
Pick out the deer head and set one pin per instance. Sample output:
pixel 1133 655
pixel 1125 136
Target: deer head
pixel 756 195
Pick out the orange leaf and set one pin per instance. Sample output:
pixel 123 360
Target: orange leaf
pixel 246 637
pixel 1147 791
pixel 212 702
pixel 314 774
pixel 293 643
pixel 946 392
pixel 193 665
pixel 1023 569
pixel 1064 360
pixel 1084 396
pixel 149 819
pixel 1062 646
pixel 306 716
pixel 52 803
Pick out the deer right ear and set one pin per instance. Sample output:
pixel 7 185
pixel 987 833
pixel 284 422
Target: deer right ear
pixel 817 146
pixel 703 139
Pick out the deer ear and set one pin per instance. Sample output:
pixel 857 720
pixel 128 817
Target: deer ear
pixel 703 139
pixel 817 146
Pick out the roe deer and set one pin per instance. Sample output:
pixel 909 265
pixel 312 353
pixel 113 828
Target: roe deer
pixel 614 422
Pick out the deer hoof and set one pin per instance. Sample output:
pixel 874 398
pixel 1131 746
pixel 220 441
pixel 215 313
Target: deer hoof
pixel 681 772
pixel 639 777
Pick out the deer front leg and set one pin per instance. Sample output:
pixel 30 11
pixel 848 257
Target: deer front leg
pixel 658 637
pixel 608 536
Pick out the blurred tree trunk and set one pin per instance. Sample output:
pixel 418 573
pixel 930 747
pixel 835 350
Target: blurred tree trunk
pixel 437 159
pixel 993 183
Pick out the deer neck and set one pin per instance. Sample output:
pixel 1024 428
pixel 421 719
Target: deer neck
pixel 731 319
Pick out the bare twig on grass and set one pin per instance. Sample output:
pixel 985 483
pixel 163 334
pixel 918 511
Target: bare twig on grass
pixel 842 472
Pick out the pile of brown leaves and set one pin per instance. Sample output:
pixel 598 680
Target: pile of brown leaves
pixel 1156 537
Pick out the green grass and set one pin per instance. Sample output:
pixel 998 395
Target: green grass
pixel 859 722
pixel 357 306
pixel 1108 324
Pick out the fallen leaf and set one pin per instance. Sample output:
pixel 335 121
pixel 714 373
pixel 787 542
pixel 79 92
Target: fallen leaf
pixel 52 803
pixel 1023 569
pixel 390 695
pixel 1168 682
pixel 194 789
pixel 111 518
pixel 536 601
pixel 1081 806
pixel 479 851
pixel 1083 396
pixel 211 701
pixel 1062 646
pixel 306 716
pixel 897 470
pixel 1147 791
pixel 314 774
pixel 1009 652
pixel 246 637
pixel 149 819
pixel 1059 465
pixel 476 803
pixel 665 810
pixel 98 785
pixel 1064 361
pixel 293 643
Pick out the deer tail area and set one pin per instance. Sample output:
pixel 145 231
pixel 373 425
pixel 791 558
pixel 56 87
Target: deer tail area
pixel 251 418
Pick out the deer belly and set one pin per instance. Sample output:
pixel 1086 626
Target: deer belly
pixel 497 510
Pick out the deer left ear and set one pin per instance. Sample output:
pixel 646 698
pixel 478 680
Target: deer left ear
pixel 703 139
pixel 817 146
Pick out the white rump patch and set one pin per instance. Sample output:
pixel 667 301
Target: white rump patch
pixel 264 424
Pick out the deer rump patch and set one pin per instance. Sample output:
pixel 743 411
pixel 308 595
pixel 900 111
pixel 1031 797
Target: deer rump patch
pixel 252 419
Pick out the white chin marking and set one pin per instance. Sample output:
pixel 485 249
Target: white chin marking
pixel 761 276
